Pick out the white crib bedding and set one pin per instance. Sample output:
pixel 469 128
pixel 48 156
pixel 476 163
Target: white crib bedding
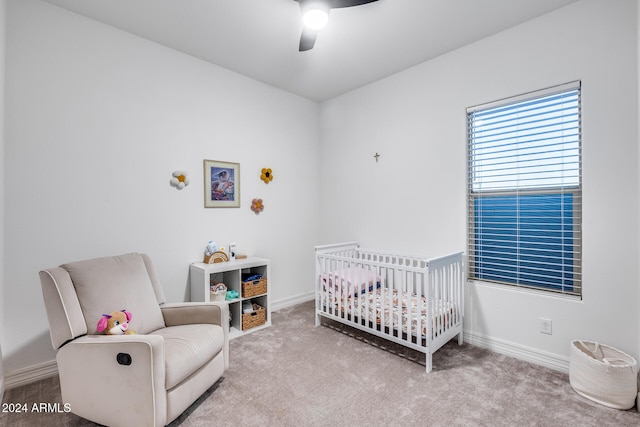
pixel 387 307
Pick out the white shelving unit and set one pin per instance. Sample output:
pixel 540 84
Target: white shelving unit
pixel 231 274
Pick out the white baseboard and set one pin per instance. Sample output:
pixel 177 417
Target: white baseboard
pixel 528 354
pixel 31 374
pixel 290 302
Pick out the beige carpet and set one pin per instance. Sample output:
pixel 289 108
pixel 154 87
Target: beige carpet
pixel 294 374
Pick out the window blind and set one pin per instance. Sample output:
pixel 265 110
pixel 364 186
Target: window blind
pixel 524 190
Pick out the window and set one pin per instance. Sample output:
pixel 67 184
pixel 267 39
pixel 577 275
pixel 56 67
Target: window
pixel 525 191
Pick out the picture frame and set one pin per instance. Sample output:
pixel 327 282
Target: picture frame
pixel 221 184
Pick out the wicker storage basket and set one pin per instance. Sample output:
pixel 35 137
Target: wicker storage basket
pixel 603 374
pixel 256 318
pixel 254 287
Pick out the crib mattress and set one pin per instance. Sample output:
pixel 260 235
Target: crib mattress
pixel 393 309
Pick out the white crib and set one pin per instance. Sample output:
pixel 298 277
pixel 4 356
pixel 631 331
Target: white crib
pixel 412 301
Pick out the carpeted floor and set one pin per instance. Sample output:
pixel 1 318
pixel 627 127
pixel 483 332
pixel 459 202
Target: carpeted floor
pixel 294 374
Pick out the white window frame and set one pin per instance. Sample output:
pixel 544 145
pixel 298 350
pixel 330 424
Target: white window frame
pixel 539 171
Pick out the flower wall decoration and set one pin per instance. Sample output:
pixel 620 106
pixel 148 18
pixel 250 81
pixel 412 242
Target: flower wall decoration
pixel 179 180
pixel 267 175
pixel 257 206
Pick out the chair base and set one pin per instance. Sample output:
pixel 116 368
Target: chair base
pixel 187 392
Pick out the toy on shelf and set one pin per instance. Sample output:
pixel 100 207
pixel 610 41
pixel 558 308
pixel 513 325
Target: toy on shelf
pixel 213 254
pixel 211 248
pixel 232 294
pixel 218 292
pixel 217 256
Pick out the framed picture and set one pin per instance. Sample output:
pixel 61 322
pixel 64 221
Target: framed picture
pixel 221 184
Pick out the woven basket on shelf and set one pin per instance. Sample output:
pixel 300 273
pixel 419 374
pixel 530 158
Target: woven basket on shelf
pixel 603 374
pixel 254 287
pixel 256 318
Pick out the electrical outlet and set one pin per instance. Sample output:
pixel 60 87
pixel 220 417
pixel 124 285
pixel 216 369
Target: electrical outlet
pixel 545 326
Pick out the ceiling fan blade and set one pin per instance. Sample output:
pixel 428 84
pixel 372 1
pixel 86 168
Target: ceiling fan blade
pixel 347 3
pixel 307 39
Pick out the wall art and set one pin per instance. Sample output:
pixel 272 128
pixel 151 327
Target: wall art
pixel 221 184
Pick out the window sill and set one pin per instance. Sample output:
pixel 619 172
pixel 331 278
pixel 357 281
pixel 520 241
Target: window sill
pixel 522 289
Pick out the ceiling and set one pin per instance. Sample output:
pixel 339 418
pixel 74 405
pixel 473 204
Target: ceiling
pixel 259 38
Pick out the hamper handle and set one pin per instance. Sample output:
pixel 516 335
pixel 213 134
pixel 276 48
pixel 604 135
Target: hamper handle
pixel 612 361
pixel 596 348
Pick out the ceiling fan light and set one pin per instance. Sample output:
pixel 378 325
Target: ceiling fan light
pixel 315 19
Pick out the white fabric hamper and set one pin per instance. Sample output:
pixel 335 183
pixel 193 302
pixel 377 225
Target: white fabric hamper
pixel 603 374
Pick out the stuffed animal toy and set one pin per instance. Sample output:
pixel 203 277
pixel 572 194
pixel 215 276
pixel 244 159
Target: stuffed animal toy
pixel 116 323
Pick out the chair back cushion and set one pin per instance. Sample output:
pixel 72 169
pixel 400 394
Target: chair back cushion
pixel 108 284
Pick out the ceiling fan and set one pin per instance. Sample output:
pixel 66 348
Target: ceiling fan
pixel 315 14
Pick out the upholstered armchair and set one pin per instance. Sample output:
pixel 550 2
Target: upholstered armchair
pixel 145 379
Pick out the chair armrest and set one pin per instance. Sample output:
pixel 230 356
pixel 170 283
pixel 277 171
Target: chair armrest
pixel 90 372
pixel 187 313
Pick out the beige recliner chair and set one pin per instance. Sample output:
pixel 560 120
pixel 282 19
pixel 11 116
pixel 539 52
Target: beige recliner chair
pixel 147 379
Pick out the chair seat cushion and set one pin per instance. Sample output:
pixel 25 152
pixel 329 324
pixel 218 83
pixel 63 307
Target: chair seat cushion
pixel 187 348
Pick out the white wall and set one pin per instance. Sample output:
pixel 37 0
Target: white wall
pixel 638 132
pixel 97 120
pixel 413 200
pixel 3 8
